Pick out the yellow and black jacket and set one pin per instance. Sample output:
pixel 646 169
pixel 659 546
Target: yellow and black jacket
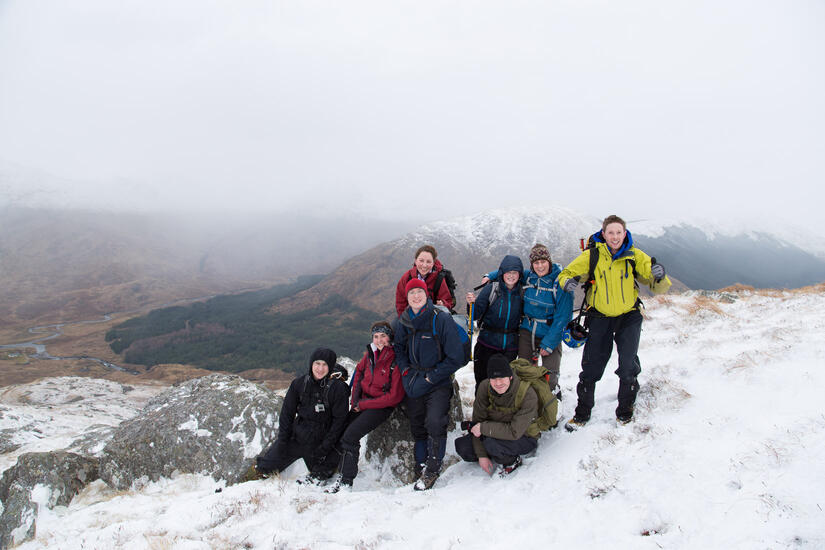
pixel 614 291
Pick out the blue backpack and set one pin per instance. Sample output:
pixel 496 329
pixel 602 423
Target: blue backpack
pixel 461 324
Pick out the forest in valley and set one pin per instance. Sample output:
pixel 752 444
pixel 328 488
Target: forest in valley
pixel 239 332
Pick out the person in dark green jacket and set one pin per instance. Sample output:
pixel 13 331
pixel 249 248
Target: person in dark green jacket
pixel 503 410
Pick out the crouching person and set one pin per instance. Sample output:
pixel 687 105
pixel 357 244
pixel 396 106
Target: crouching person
pixel 376 390
pixel 311 421
pixel 504 409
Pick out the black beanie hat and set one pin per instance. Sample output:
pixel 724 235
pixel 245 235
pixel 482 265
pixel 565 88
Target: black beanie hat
pixel 498 367
pixel 323 354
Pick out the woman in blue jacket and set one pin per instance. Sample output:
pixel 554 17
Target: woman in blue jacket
pixel 497 312
pixel 547 310
pixel 428 350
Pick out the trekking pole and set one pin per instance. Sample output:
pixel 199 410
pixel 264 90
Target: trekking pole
pixel 470 331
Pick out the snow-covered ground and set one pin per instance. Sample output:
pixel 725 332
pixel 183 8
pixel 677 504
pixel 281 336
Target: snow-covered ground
pixel 726 451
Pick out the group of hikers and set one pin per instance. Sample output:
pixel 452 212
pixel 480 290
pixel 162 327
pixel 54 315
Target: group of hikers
pixel 523 316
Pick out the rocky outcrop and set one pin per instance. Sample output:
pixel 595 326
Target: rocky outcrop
pixel 215 425
pixel 390 445
pixel 39 479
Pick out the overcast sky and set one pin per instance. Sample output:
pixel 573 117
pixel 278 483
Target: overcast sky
pixel 418 108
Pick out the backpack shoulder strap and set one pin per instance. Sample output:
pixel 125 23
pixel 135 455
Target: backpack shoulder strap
pixel 521 392
pixel 591 272
pixel 437 286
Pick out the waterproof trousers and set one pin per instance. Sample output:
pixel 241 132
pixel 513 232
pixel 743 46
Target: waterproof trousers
pixel 625 330
pixel 527 349
pixel 281 454
pixel 359 424
pixel 501 451
pixel 429 416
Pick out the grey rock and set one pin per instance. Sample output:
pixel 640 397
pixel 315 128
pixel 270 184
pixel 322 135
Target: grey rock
pixel 7 443
pixel 93 440
pixel 391 444
pixel 58 476
pixel 214 425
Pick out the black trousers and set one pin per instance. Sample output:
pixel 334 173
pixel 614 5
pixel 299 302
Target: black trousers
pixel 502 451
pixel 281 454
pixel 429 416
pixel 482 354
pixel 625 330
pixel 359 424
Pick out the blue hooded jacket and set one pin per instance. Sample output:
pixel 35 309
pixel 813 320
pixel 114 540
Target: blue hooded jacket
pixel 499 319
pixel 547 308
pixel 416 344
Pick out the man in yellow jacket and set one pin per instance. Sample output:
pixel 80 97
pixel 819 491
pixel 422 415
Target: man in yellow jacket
pixel 612 314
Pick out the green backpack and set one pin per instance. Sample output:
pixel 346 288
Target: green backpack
pixel 530 375
pixel 536 376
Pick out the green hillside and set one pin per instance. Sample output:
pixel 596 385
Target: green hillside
pixel 237 332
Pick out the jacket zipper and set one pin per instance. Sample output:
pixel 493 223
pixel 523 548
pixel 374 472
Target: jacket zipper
pixel 606 290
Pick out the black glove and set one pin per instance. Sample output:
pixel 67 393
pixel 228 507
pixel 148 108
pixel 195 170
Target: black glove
pixel 658 271
pixel 571 285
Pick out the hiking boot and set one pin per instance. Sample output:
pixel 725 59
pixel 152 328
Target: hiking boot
pixel 426 481
pixel 252 474
pixel 575 423
pixel 510 468
pixel 625 418
pixel 312 479
pixel 341 485
pixel 418 469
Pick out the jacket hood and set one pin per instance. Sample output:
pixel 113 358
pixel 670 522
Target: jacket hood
pixel 510 263
pixel 626 245
pixel 326 355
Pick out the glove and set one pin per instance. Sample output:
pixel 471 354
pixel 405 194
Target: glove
pixel 571 285
pixel 658 271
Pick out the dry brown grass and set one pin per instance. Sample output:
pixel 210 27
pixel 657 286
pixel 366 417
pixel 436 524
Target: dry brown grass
pixel 704 303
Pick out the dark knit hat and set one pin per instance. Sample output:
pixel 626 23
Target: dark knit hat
pixel 498 367
pixel 382 326
pixel 323 354
pixel 539 252
pixel 415 283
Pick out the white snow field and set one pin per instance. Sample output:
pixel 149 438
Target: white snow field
pixel 726 451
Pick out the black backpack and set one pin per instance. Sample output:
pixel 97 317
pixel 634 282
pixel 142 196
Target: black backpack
pixel 445 275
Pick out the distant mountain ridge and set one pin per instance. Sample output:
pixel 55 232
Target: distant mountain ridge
pixel 472 245
pixel 469 246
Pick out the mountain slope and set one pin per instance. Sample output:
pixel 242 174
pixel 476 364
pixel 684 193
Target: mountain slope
pixel 703 258
pixel 468 246
pixel 60 265
pixel 725 452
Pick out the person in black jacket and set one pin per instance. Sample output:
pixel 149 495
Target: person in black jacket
pixel 312 419
pixel 428 350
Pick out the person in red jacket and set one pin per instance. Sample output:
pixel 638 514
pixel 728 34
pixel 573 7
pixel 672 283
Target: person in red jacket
pixel 376 390
pixel 426 268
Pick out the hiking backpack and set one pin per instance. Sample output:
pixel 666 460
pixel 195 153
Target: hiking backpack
pixel 529 375
pixel 447 276
pixel 461 324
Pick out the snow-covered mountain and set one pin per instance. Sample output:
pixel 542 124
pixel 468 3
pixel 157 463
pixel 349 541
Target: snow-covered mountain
pixel 695 256
pixel 725 452
pixel 469 246
pixel 710 255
